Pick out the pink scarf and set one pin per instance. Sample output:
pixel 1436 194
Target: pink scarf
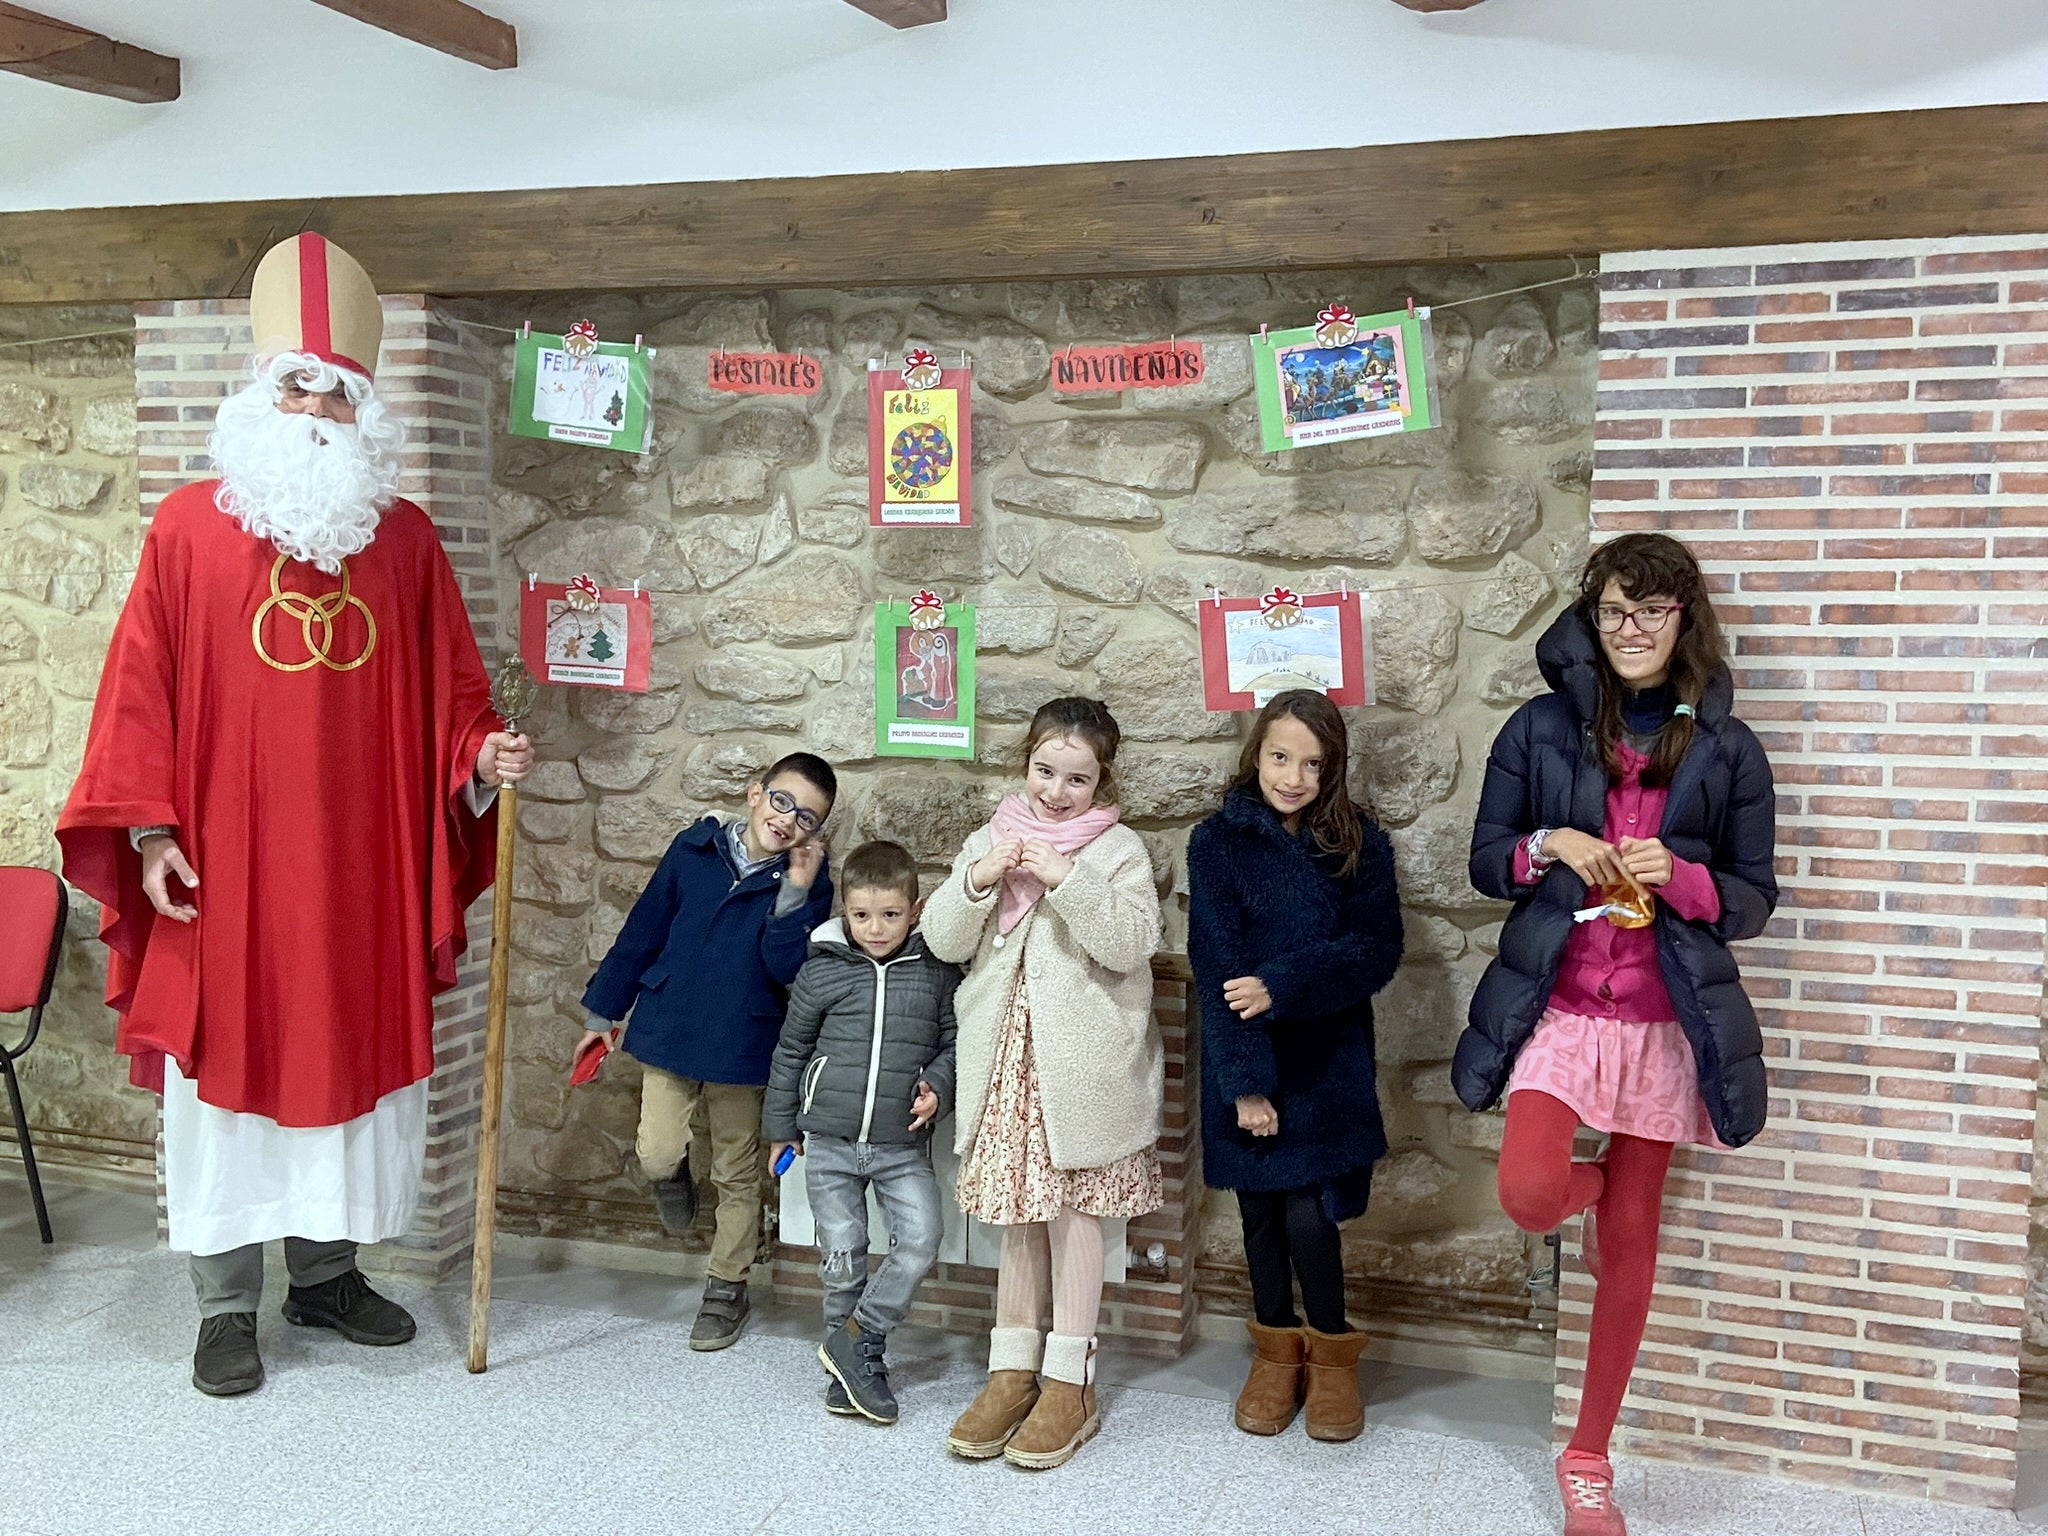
pixel 1015 818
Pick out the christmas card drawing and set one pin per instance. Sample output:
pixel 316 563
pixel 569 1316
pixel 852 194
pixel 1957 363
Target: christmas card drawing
pixel 579 633
pixel 919 442
pixel 1256 647
pixel 1343 377
pixel 574 388
pixel 924 678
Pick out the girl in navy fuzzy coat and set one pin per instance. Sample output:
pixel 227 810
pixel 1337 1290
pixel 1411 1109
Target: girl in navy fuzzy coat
pixel 1294 922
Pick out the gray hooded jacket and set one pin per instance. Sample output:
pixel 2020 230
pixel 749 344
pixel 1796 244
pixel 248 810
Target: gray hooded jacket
pixel 859 1037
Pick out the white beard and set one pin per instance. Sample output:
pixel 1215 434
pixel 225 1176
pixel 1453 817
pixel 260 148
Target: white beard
pixel 314 488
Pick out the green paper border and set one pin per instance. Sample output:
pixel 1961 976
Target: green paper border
pixel 634 433
pixel 890 618
pixel 1266 376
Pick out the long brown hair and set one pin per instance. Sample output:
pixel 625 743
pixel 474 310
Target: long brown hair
pixel 1653 565
pixel 1331 816
pixel 1089 722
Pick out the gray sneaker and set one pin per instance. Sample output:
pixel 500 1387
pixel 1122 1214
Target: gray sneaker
pixel 675 1201
pixel 721 1315
pixel 226 1363
pixel 854 1357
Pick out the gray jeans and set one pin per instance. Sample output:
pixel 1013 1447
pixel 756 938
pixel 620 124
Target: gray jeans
pixel 233 1281
pixel 837 1176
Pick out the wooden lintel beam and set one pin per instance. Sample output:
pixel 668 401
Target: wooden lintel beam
pixel 447 26
pixel 903 13
pixel 44 48
pixel 1956 171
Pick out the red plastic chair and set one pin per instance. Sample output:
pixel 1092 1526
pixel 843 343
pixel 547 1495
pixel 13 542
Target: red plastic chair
pixel 33 906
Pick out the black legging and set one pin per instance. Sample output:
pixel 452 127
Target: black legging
pixel 1285 1230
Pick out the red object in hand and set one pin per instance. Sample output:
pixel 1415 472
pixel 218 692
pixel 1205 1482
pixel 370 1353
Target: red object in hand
pixel 592 1058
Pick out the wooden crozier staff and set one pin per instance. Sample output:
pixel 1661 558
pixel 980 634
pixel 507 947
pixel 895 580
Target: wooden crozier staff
pixel 512 695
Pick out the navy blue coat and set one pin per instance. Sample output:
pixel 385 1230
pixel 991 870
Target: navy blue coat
pixel 1264 903
pixel 1545 771
pixel 703 965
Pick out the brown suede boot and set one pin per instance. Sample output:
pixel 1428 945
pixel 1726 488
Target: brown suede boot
pixel 1334 1411
pixel 992 1418
pixel 1065 1418
pixel 1272 1392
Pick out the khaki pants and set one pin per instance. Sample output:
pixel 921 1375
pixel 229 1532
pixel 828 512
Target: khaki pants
pixel 670 1111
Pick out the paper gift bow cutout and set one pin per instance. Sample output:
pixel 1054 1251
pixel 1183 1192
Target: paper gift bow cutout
pixel 1336 324
pixel 920 368
pixel 1280 607
pixel 580 340
pixel 582 594
pixel 927 611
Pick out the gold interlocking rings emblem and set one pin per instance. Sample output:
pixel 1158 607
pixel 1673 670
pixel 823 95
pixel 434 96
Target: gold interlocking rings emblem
pixel 316 614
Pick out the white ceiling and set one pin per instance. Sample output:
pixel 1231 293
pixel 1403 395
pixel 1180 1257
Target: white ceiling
pixel 283 98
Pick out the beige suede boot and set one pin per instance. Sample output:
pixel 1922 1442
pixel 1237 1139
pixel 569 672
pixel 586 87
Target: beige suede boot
pixel 1012 1392
pixel 1065 1418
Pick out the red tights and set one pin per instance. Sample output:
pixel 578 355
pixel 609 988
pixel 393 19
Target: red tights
pixel 1540 1186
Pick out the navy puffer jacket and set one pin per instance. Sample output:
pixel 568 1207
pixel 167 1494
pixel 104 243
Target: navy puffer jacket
pixel 1545 771
pixel 1266 902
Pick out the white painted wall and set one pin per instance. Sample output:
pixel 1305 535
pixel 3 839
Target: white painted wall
pixel 632 91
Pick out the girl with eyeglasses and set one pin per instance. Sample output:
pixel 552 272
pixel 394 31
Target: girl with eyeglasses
pixel 1631 819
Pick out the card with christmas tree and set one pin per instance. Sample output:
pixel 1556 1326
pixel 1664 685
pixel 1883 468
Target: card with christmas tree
pixel 574 388
pixel 588 636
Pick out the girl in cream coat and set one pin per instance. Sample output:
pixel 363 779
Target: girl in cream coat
pixel 1061 1070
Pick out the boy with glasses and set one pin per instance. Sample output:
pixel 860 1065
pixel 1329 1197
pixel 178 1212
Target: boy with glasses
pixel 704 963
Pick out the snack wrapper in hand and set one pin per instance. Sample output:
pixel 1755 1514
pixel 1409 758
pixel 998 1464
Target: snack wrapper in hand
pixel 592 1058
pixel 1630 906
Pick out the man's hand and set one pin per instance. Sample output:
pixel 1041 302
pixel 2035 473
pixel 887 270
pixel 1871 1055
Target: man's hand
pixel 775 1150
pixel 1047 863
pixel 1247 996
pixel 1646 859
pixel 805 860
pixel 161 859
pixel 924 1109
pixel 504 759
pixel 1255 1113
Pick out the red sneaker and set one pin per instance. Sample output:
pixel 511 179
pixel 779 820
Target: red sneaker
pixel 1586 1484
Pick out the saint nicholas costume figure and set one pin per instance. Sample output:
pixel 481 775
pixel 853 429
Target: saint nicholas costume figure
pixel 284 810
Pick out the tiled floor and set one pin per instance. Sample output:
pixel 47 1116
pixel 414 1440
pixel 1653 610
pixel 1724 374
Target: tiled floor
pixel 596 1417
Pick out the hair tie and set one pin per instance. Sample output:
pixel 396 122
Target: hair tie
pixel 1682 709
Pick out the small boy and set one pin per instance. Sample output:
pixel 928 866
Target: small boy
pixel 704 962
pixel 864 1066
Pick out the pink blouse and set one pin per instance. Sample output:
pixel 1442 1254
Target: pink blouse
pixel 1610 972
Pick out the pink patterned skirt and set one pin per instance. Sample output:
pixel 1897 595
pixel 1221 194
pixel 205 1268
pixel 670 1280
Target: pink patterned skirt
pixel 1621 1076
pixel 1007 1177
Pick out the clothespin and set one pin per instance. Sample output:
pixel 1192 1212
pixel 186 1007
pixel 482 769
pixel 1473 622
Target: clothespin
pixel 1262 331
pixel 1216 594
pixel 636 586
pixel 525 329
pixel 1411 305
pixel 531 578
pixel 636 341
pixel 1343 589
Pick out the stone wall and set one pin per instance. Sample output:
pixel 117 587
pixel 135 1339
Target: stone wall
pixel 1098 525
pixel 69 532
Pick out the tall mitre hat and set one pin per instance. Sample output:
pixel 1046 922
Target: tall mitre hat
pixel 310 295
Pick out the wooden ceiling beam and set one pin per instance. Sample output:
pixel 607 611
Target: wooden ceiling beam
pixel 903 13
pixel 1872 176
pixel 80 59
pixel 447 26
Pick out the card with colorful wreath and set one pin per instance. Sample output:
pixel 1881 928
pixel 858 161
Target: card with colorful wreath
pixel 920 437
pixel 924 678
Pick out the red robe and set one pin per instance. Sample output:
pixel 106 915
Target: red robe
pixel 318 801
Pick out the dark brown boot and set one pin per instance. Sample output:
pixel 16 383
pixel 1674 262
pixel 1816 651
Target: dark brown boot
pixel 1273 1391
pixel 1334 1409
pixel 985 1428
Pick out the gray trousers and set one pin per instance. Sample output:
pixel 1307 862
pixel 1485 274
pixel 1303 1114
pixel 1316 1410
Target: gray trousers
pixel 233 1281
pixel 837 1177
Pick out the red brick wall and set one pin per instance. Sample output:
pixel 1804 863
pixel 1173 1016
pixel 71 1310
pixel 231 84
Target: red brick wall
pixel 1851 440
pixel 188 357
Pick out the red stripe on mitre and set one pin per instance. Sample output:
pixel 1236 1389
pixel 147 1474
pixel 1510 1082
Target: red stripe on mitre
pixel 316 329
